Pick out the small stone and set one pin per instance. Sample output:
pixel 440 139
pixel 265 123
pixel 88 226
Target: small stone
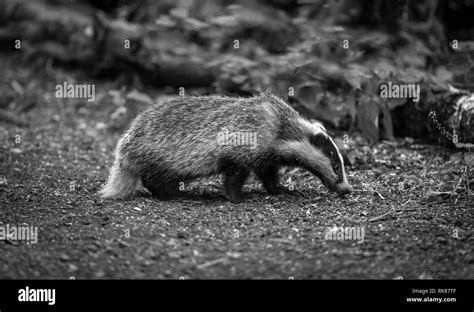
pixel 16 150
pixel 174 255
pixel 99 274
pixel 123 244
pixel 72 268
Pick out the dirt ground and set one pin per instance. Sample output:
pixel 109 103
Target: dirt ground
pixel 413 201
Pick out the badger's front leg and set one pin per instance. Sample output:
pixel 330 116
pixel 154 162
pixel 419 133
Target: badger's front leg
pixel 234 179
pixel 270 179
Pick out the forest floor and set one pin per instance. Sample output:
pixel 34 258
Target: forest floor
pixel 414 205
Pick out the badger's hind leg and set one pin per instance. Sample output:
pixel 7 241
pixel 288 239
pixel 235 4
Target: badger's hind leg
pixel 164 189
pixel 234 179
pixel 269 177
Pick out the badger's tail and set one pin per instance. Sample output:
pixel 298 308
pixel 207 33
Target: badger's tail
pixel 122 183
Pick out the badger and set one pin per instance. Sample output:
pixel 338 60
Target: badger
pixel 199 136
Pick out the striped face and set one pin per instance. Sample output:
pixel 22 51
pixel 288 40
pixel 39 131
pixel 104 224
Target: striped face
pixel 335 179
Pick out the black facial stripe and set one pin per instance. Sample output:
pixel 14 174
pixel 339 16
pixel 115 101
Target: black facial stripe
pixel 323 143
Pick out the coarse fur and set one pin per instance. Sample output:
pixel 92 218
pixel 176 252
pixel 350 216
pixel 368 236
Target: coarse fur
pixel 177 141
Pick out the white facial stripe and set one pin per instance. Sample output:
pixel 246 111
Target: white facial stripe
pixel 344 179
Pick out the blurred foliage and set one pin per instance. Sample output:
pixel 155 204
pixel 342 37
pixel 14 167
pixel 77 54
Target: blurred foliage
pixel 327 58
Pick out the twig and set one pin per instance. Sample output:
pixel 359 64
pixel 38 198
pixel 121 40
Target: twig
pixel 380 195
pixel 406 202
pixel 456 201
pixel 380 217
pixel 371 191
pixel 430 193
pixel 211 263
pixel 457 186
pixel 410 209
pixel 282 240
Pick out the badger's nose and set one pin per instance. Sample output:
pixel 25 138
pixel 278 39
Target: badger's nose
pixel 343 188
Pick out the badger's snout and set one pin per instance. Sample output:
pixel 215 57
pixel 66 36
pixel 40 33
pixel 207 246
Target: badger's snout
pixel 343 188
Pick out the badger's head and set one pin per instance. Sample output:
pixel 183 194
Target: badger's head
pixel 332 172
pixel 318 154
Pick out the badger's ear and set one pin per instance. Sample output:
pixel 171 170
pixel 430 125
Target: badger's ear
pixel 265 93
pixel 318 127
